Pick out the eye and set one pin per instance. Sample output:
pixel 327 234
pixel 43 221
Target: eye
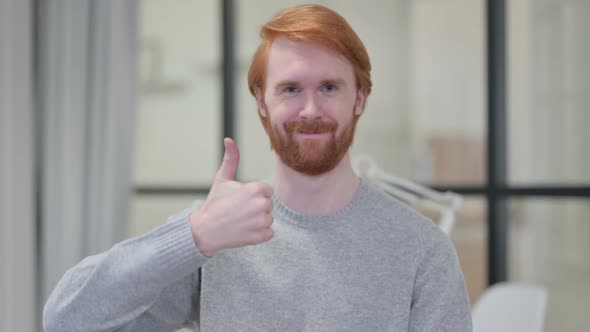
pixel 330 88
pixel 291 90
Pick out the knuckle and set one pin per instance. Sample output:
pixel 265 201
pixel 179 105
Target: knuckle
pixel 269 188
pixel 266 205
pixel 254 188
pixel 260 204
pixel 262 223
pixel 260 237
pixel 261 188
pixel 264 235
pixel 267 235
pixel 266 222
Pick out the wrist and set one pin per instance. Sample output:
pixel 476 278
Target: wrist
pixel 196 221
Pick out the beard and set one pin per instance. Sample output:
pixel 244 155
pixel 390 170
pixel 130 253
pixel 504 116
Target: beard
pixel 310 156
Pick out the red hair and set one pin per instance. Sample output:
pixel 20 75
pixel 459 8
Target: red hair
pixel 311 24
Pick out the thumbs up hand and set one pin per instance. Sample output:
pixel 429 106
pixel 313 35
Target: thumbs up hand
pixel 235 214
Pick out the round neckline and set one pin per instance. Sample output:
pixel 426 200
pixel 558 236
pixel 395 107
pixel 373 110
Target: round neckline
pixel 283 212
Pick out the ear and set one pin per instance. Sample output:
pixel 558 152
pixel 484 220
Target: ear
pixel 361 97
pixel 260 101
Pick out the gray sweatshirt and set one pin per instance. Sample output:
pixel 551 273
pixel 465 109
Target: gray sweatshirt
pixel 375 265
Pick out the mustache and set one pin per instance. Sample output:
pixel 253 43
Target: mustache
pixel 309 127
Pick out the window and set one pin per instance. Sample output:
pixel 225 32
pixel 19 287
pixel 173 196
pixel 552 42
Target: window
pixel 520 162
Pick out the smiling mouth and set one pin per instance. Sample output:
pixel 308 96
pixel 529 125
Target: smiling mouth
pixel 311 135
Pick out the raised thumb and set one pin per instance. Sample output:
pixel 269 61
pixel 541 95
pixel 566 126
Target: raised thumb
pixel 231 158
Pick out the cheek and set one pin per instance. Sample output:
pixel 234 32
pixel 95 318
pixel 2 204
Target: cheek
pixel 337 103
pixel 339 110
pixel 276 118
pixel 284 109
pixel 291 105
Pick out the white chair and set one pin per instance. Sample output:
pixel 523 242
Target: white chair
pixel 511 307
pixel 446 204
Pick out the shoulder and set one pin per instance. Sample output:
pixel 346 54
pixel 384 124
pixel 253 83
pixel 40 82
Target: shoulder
pixel 399 218
pixel 385 207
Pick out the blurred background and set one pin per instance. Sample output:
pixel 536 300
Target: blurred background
pixel 113 114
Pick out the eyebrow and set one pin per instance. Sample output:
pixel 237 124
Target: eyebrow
pixel 335 81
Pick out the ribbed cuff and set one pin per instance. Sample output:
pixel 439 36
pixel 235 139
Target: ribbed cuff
pixel 176 251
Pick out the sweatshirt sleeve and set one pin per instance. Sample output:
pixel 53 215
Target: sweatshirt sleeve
pixel 141 284
pixel 439 299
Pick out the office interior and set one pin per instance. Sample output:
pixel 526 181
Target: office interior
pixel 113 114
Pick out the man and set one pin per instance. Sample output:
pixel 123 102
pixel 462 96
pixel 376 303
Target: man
pixel 319 250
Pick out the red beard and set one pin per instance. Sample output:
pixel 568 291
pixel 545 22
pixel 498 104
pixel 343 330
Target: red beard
pixel 311 156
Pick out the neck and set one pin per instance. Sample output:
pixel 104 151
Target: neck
pixel 320 194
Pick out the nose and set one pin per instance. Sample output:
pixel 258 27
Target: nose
pixel 311 110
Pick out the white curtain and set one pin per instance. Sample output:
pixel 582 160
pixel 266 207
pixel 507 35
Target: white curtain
pixel 17 172
pixel 88 63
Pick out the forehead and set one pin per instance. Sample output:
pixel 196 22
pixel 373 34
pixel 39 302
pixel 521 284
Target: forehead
pixel 305 62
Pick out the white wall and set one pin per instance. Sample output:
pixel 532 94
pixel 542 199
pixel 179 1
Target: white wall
pixel 179 124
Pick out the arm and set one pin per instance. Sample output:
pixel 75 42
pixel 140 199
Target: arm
pixel 439 299
pixel 147 283
pixel 144 283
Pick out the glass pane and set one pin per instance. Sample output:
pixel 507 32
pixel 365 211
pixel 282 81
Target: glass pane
pixel 425 117
pixel 147 212
pixel 470 238
pixel 549 246
pixel 549 85
pixel 179 112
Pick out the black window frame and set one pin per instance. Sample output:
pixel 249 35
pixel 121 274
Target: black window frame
pixel 496 190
